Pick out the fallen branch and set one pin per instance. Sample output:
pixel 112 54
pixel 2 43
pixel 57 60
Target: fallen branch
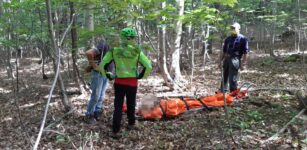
pixel 275 136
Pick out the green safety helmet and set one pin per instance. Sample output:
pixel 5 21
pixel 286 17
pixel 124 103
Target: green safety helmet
pixel 128 32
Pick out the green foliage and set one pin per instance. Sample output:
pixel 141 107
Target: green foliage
pixel 230 3
pixel 292 58
pixel 285 97
pixel 255 115
pixel 62 139
pixel 244 125
pixel 268 61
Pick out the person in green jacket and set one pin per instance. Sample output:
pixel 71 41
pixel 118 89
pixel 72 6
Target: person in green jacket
pixel 126 58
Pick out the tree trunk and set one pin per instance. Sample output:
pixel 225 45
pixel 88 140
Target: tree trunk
pixel 1 8
pixel 74 46
pixel 273 31
pixel 89 20
pixel 66 102
pixel 175 66
pixel 299 27
pixel 9 69
pixel 163 56
pixel 205 34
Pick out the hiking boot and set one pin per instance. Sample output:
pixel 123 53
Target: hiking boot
pixel 134 126
pixel 90 119
pixel 115 136
pixel 97 115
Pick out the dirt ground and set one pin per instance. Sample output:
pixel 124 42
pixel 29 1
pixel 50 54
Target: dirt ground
pixel 249 124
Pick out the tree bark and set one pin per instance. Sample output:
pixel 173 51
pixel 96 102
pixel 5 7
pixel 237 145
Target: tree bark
pixel 163 56
pixel 175 66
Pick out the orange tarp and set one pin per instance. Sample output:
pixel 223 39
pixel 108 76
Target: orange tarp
pixel 175 106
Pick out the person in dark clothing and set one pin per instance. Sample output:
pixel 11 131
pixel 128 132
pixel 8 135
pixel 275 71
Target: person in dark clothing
pixel 126 58
pixel 233 57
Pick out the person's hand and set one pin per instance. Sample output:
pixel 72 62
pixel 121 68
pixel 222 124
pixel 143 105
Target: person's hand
pixel 140 76
pixel 110 76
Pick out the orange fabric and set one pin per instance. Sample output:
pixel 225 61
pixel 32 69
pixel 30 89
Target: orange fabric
pixel 175 106
pixel 217 100
pixel 193 103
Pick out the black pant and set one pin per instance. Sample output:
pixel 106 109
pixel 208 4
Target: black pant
pixel 120 92
pixel 231 67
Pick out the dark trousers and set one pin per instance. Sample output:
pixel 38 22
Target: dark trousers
pixel 231 67
pixel 120 92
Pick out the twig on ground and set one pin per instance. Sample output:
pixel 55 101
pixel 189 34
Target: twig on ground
pixel 275 136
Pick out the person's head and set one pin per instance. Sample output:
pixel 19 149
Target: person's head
pixel 128 34
pixel 103 46
pixel 235 29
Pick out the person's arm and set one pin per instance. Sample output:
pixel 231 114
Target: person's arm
pixel 146 64
pixel 90 54
pixel 105 62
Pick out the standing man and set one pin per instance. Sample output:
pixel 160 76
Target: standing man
pixel 233 57
pixel 126 58
pixel 98 83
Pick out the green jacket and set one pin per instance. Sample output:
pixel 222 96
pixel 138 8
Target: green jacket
pixel 126 59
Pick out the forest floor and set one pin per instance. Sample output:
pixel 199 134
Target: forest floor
pixel 250 122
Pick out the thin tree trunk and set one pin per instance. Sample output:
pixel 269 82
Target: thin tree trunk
pixel 9 69
pixel 206 34
pixel 192 62
pixel 89 20
pixel 273 35
pixel 74 46
pixel 165 73
pixel 66 102
pixel 299 27
pixel 1 8
pixel 175 66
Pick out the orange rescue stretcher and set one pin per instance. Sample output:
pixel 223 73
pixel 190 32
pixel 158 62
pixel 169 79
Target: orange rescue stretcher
pixel 172 107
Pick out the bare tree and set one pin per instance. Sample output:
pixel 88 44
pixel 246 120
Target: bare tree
pixel 163 56
pixel 175 66
pixel 74 51
pixel 89 23
pixel 66 102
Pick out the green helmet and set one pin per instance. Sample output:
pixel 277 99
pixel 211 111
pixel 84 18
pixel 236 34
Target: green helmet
pixel 128 32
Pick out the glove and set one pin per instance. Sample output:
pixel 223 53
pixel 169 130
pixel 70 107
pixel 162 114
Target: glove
pixel 140 76
pixel 110 76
